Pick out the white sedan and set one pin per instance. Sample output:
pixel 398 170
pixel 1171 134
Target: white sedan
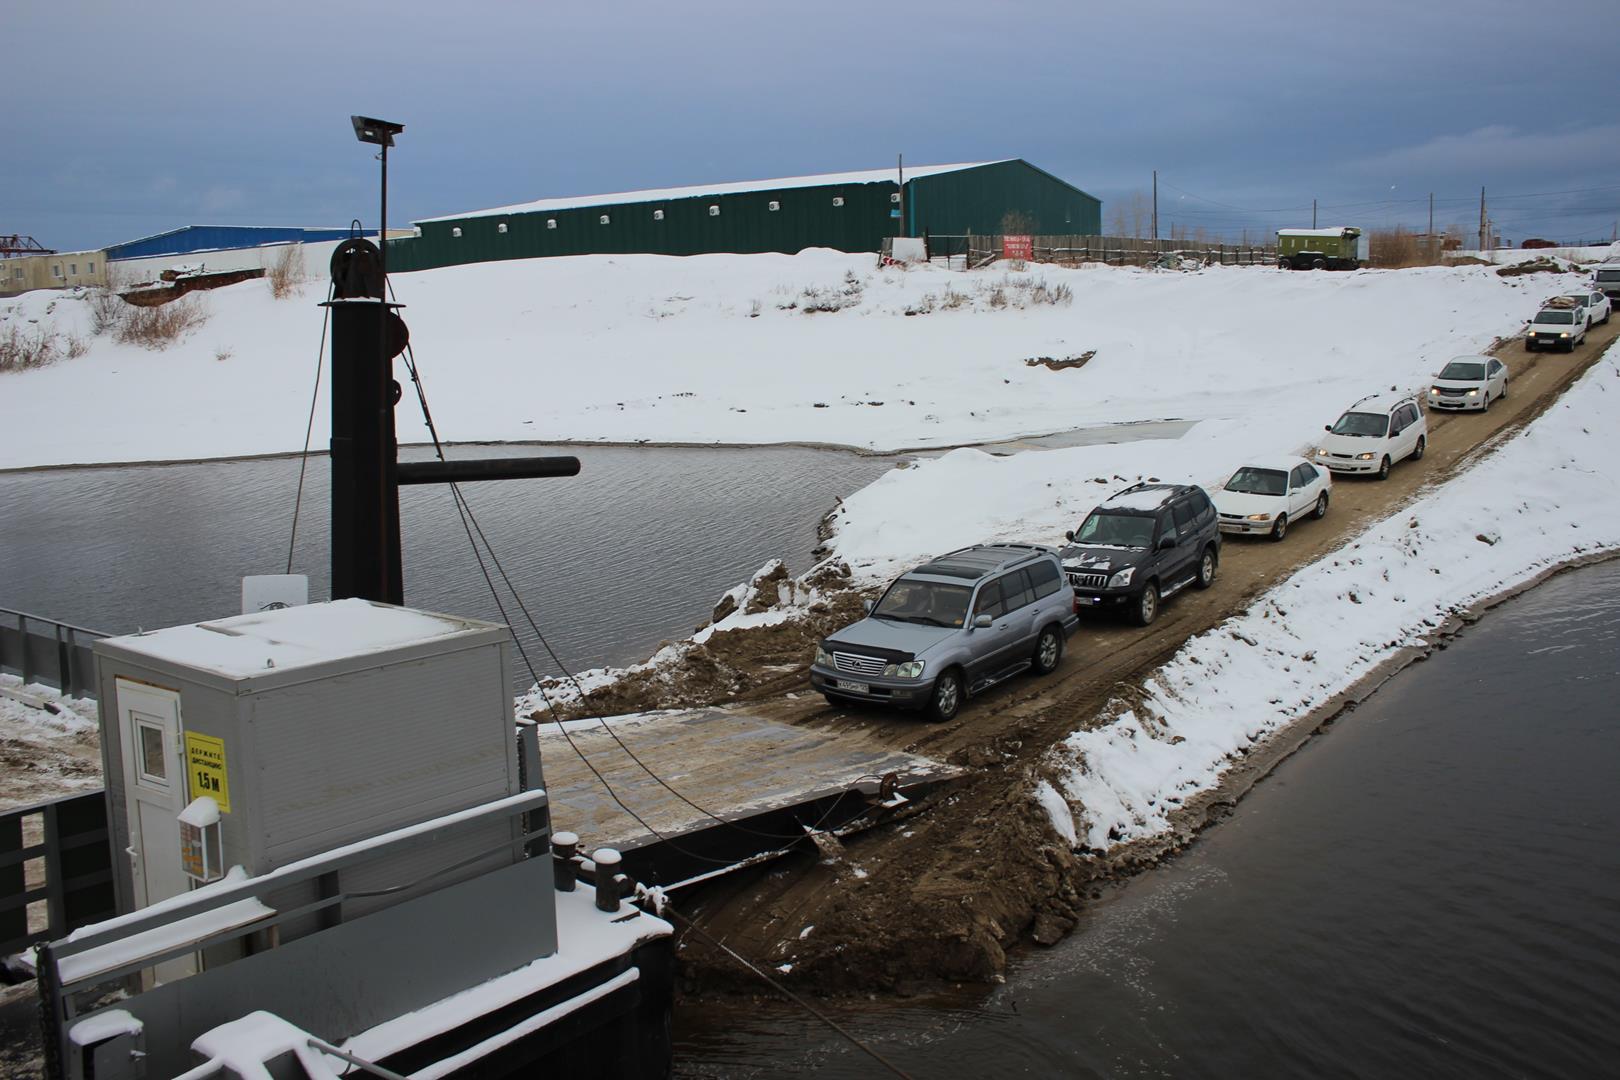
pixel 1265 495
pixel 1469 382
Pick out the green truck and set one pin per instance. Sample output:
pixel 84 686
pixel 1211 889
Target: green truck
pixel 1339 248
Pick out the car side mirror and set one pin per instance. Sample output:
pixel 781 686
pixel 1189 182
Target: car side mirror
pixel 982 622
pixel 1327 427
pixel 1069 536
pixel 869 605
pixel 1166 543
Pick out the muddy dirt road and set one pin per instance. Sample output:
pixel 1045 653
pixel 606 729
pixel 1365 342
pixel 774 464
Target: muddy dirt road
pixel 941 895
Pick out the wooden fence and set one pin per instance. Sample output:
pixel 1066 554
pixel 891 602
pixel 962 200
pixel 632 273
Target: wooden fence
pixel 970 252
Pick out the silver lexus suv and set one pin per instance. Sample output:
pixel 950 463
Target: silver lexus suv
pixel 950 628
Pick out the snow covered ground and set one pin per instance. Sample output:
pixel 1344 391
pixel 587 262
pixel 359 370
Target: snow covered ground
pixel 727 349
pixel 1504 256
pixel 1543 497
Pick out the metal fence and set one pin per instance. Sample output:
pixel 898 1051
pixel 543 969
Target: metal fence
pixel 49 652
pixel 970 252
pixel 55 870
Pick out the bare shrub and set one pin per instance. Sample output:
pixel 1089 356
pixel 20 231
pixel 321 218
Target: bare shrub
pixel 222 354
pixel 107 308
pixel 76 346
pixel 1396 249
pixel 22 349
pixel 953 299
pixel 286 272
pixel 161 326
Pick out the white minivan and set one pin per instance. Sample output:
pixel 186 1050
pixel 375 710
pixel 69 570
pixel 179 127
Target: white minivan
pixel 1373 434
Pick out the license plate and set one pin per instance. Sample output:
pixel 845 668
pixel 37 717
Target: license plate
pixel 852 687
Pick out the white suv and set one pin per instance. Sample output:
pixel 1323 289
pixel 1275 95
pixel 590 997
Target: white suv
pixel 1373 434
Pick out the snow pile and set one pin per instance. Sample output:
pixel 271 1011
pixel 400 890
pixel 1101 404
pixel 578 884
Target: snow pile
pixel 1508 256
pixel 1540 499
pixel 818 347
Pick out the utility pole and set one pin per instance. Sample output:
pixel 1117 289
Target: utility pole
pixel 1434 248
pixel 1313 213
pixel 1484 229
pixel 900 166
pixel 1155 207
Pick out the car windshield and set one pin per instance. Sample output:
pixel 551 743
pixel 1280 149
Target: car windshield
pixel 933 602
pixel 1115 530
pixel 1564 317
pixel 1251 481
pixel 1461 370
pixel 1361 423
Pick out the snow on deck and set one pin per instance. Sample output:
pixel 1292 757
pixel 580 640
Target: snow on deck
pixel 249 645
pixel 574 202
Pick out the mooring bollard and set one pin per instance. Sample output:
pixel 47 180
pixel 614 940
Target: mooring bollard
pixel 607 878
pixel 564 846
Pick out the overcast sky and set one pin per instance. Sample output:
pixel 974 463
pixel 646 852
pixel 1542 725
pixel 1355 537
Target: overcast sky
pixel 123 119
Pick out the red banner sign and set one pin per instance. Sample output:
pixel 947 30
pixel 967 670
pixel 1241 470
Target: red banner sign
pixel 1018 247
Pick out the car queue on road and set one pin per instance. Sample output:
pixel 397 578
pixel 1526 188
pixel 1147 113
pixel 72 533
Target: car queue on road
pixel 973 618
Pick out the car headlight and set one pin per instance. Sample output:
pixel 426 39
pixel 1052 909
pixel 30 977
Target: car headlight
pixel 1473 393
pixel 1121 579
pixel 1433 391
pixel 823 657
pixel 1365 457
pixel 1564 333
pixel 1321 452
pixel 1260 517
pixel 908 670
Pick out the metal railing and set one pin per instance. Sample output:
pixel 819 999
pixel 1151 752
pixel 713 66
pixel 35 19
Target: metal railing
pixel 49 652
pixel 55 870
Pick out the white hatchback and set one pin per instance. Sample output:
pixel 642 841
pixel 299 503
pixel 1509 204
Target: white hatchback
pixel 1373 434
pixel 1469 382
pixel 1265 495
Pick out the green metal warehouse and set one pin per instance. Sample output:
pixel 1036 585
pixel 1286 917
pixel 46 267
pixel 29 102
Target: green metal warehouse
pixel 845 211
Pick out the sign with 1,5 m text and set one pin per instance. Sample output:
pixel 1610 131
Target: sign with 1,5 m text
pixel 205 769
pixel 1018 247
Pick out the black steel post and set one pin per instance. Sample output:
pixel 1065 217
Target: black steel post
pixel 365 497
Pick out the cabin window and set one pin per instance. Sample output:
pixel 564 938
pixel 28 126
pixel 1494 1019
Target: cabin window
pixel 154 766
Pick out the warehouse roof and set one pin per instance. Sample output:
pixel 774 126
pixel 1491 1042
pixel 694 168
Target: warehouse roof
pixel 870 176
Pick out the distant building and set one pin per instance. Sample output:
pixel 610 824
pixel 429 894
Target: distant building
pixel 844 211
pixel 58 270
pixel 190 239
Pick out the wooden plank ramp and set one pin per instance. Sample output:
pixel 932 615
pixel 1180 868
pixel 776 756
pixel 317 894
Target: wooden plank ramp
pixel 736 789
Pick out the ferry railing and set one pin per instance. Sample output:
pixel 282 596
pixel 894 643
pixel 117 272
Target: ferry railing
pixel 82 967
pixel 49 652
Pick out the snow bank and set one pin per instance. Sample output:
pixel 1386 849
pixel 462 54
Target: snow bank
pixel 815 347
pixel 1540 499
pixel 1505 256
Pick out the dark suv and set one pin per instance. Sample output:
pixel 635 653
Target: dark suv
pixel 1143 545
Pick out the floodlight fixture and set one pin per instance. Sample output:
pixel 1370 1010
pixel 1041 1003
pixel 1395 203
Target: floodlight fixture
pixel 380 132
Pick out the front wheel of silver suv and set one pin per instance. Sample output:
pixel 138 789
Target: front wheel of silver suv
pixel 947 699
pixel 1048 651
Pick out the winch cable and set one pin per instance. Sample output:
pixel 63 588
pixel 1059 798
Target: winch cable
pixel 309 426
pixel 470 523
pixel 668 909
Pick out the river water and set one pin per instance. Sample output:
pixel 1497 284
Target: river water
pixel 634 550
pixel 1431 888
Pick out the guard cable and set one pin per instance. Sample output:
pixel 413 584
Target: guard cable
pixel 668 909
pixel 309 426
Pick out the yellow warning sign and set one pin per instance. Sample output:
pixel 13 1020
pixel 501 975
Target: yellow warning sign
pixel 205 769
